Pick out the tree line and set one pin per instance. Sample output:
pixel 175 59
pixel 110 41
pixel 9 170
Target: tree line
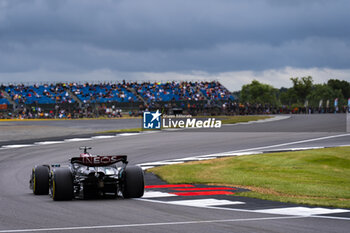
pixel 304 93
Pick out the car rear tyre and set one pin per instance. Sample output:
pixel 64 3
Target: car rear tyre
pixel 40 180
pixel 62 184
pixel 134 182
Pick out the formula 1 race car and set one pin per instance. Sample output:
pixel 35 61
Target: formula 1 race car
pixel 88 176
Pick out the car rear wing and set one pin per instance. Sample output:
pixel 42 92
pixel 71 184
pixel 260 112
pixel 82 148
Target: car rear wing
pixel 98 161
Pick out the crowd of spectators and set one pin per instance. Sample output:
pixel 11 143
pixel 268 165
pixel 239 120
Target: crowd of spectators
pixel 182 91
pixel 102 92
pixel 74 100
pixel 43 94
pixel 63 112
pixel 116 92
pixel 215 91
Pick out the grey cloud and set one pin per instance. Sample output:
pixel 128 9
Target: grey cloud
pixel 179 35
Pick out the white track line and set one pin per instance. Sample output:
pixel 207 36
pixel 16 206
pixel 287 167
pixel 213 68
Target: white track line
pixel 343 145
pixel 302 211
pixel 244 210
pixel 16 146
pixel 48 142
pixel 129 134
pixel 274 118
pixel 332 217
pixel 207 207
pixel 157 194
pixel 307 148
pixel 294 149
pixel 292 143
pixel 103 137
pixel 206 202
pixel 150 224
pixel 77 139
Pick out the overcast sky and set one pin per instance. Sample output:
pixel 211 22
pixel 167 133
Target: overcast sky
pixel 232 41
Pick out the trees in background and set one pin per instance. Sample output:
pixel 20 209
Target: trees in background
pixel 302 88
pixel 341 85
pixel 259 93
pixel 303 93
pixel 321 93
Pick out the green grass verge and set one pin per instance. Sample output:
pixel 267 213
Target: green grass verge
pixel 133 130
pixel 239 119
pixel 315 177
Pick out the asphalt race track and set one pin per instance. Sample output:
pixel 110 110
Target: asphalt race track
pixel 27 130
pixel 21 211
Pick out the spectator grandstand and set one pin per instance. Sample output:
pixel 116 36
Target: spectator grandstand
pixel 77 100
pixel 215 91
pixel 74 100
pixel 41 94
pixel 182 91
pixel 117 92
pixel 170 91
pixel 102 93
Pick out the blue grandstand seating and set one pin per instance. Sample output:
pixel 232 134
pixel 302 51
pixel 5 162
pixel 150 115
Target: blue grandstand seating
pixel 103 93
pixel 180 91
pixel 43 94
pixel 120 92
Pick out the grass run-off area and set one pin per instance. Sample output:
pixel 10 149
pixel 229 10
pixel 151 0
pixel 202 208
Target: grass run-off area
pixel 240 119
pixel 315 177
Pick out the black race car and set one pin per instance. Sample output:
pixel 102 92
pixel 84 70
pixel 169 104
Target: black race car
pixel 88 176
